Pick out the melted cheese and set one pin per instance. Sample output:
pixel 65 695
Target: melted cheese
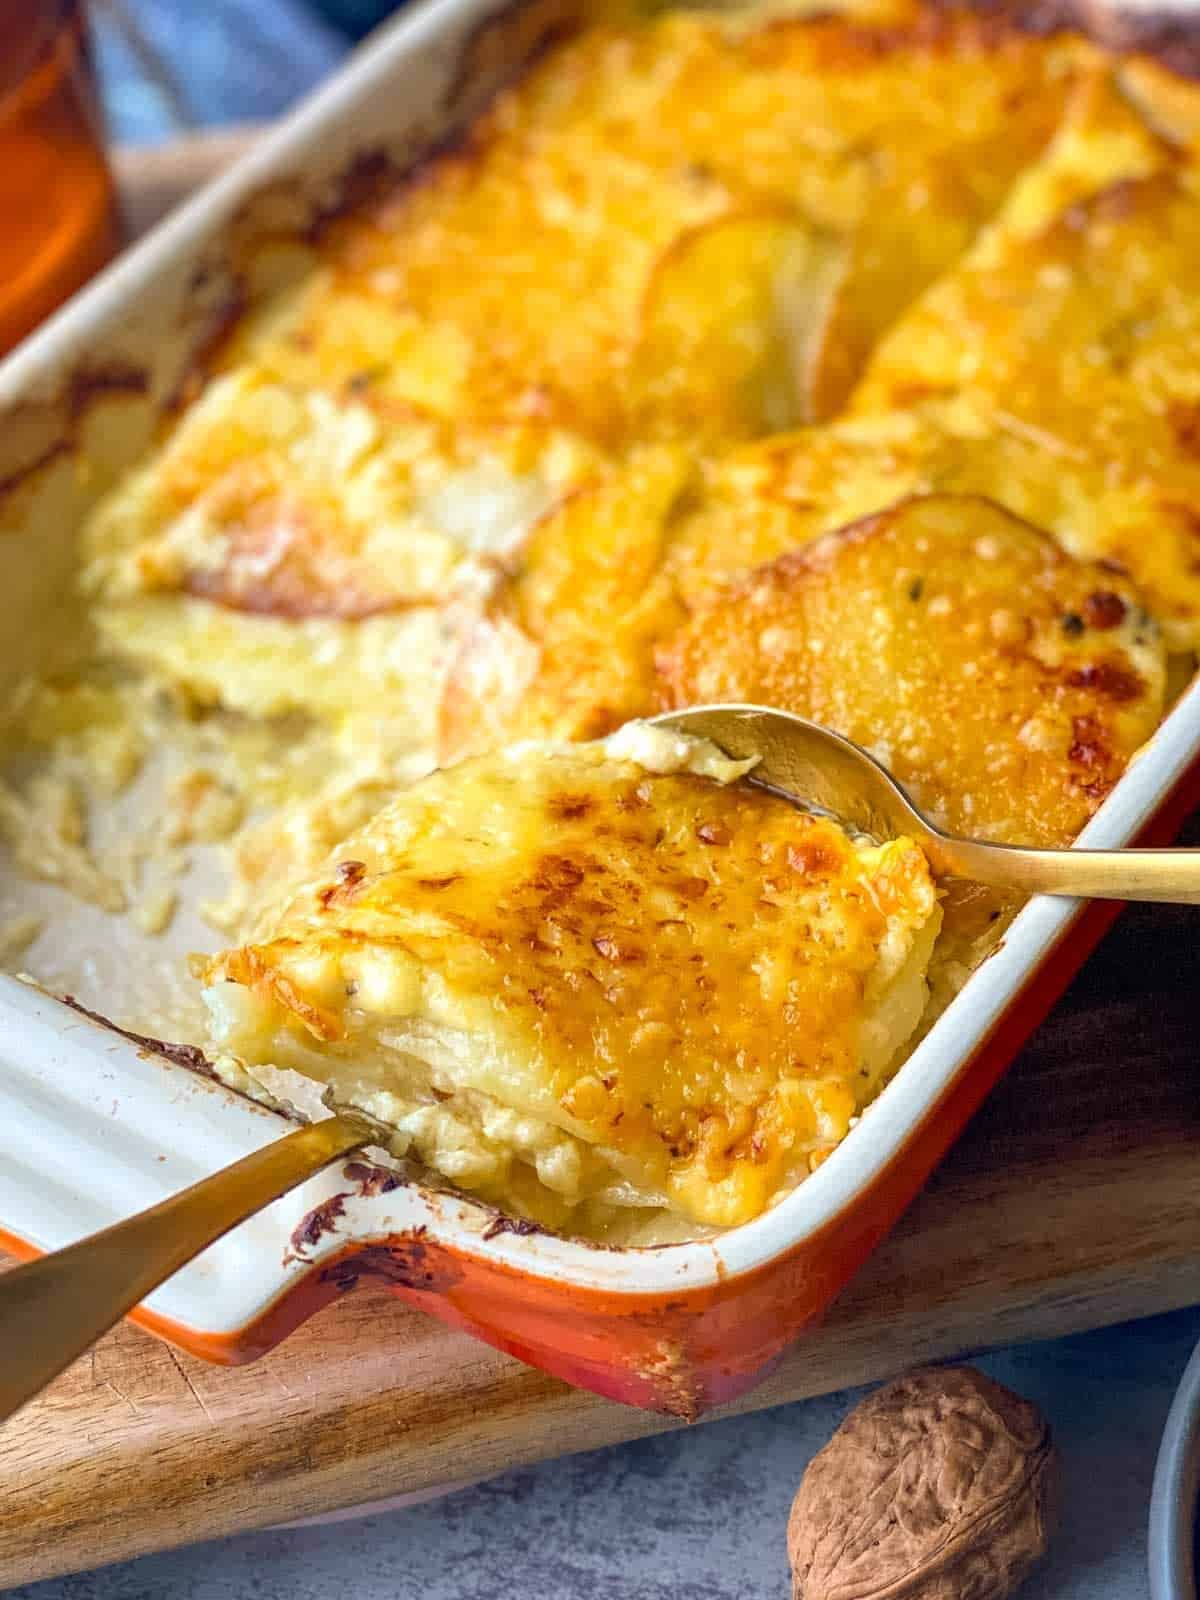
pixel 943 613
pixel 643 984
pixel 1058 361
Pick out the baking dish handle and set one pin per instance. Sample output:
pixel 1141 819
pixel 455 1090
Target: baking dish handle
pixel 52 1310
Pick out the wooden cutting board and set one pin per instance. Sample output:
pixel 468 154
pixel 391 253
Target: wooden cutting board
pixel 1073 1201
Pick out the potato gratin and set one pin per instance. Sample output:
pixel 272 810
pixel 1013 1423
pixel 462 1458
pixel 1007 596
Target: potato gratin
pixel 843 362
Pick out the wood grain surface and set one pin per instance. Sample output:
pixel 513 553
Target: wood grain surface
pixel 1074 1200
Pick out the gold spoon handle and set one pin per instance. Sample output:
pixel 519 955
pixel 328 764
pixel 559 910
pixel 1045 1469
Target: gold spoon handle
pixel 54 1308
pixel 1171 876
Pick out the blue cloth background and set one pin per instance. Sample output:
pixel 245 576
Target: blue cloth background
pixel 699 1514
pixel 229 60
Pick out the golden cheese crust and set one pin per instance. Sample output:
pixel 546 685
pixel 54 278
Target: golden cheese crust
pixel 919 421
pixel 564 647
pixel 695 983
pixel 677 175
pixel 1059 360
pixel 603 263
pixel 749 506
pixel 1003 683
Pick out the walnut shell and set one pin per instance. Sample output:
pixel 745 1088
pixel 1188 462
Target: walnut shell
pixel 940 1486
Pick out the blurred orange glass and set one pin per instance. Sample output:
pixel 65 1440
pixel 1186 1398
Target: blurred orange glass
pixel 58 217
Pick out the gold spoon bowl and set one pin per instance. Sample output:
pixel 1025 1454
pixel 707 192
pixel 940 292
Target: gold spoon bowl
pixel 820 770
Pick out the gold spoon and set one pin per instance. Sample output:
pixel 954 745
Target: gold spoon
pixel 823 771
pixel 54 1308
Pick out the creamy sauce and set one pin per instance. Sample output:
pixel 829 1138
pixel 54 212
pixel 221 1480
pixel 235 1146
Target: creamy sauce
pixel 662 750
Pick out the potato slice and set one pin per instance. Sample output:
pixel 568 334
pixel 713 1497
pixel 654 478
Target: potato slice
pixel 764 499
pixel 1060 359
pixel 1006 685
pixel 296 503
pixel 738 328
pixel 292 550
pixel 563 649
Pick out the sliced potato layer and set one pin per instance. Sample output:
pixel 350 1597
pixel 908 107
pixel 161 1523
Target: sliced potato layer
pixel 645 985
pixel 564 649
pixel 1004 683
pixel 686 229
pixel 612 196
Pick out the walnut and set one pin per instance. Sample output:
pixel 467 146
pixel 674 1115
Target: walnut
pixel 940 1486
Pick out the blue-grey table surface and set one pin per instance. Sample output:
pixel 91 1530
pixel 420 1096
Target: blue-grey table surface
pixel 701 1513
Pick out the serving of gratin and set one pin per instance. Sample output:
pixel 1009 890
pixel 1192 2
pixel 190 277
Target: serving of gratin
pixel 844 362
pixel 596 976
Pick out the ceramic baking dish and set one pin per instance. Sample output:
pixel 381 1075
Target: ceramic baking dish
pixel 95 1124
